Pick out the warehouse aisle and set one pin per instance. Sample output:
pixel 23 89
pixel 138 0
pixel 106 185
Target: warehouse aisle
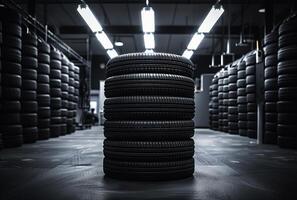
pixel 70 167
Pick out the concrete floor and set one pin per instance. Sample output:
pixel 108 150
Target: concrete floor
pixel 70 167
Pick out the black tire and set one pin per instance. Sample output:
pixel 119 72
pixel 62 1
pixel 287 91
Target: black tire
pixel 29 74
pixel 43 68
pixel 270 49
pixel 287 67
pixel 270 72
pixel 9 93
pixel 287 53
pixel 29 85
pixel 149 63
pixel 11 68
pixel 149 84
pixel 270 107
pixel 148 171
pixel 29 106
pixel 29 119
pixel 29 95
pixel 44 100
pixel 55 130
pixel 148 107
pixel 44 112
pixel 10 107
pixel 43 78
pixel 271 96
pixel 29 62
pixel 11 80
pixel 288 25
pixel 148 151
pixel 30 134
pixel 250 60
pixel 250 79
pixel 43 133
pixel 286 107
pixel 271 61
pixel 287 80
pixel 250 88
pixel 148 130
pixel 270 84
pixel 287 94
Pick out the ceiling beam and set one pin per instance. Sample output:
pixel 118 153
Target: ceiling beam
pixel 152 1
pixel 172 29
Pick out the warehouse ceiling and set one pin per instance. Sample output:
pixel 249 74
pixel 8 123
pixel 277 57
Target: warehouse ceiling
pixel 176 21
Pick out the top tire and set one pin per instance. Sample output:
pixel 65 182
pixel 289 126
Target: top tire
pixel 149 63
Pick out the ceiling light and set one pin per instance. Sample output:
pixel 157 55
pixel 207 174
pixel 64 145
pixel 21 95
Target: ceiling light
pixel 104 40
pixel 188 53
pixel 261 10
pixel 148 20
pixel 149 41
pixel 89 18
pixel 211 19
pixel 195 41
pixel 112 53
pixel 119 44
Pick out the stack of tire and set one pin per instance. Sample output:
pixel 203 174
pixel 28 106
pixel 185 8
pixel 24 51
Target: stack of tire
pixel 214 104
pixel 55 92
pixel 11 57
pixel 71 99
pixel 270 87
pixel 241 98
pixel 43 91
pixel 64 94
pixel 1 42
pixel 251 96
pixel 220 99
pixel 225 100
pixel 76 91
pixel 287 83
pixel 149 110
pixel 29 87
pixel 232 100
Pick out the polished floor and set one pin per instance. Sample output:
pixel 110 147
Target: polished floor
pixel 70 167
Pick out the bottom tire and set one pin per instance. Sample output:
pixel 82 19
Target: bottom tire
pixel 43 134
pixel 148 171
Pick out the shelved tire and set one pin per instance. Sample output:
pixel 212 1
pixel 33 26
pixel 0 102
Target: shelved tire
pixel 10 80
pixel 149 84
pixel 55 91
pixel 148 130
pixel 154 171
pixel 43 89
pixel 29 87
pixel 148 107
pixel 148 150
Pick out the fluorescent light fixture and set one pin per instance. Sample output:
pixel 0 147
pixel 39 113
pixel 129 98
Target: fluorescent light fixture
pixel 211 19
pixel 195 41
pixel 261 10
pixel 104 40
pixel 149 41
pixel 119 44
pixel 188 53
pixel 148 20
pixel 112 53
pixel 89 18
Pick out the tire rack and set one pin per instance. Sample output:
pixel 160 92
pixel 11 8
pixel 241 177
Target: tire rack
pixel 32 105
